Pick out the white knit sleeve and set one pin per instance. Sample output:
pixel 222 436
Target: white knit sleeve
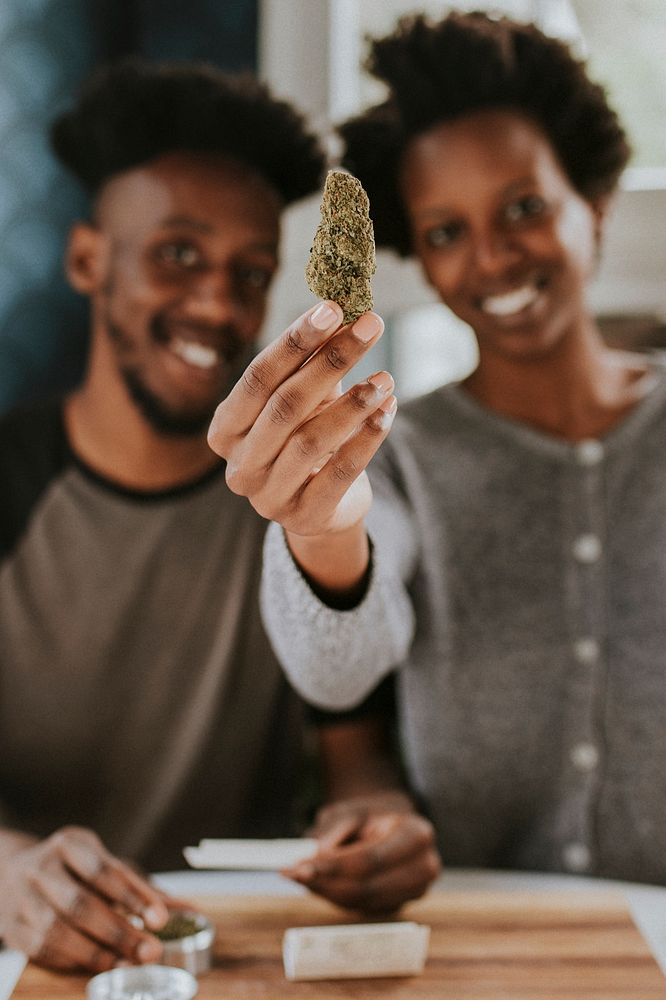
pixel 335 658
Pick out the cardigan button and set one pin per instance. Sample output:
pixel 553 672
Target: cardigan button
pixel 586 650
pixel 587 548
pixel 585 756
pixel 589 452
pixel 576 857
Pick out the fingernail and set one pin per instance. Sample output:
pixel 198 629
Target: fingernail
pixel 323 317
pixel 367 327
pixel 148 951
pixel 154 916
pixel 382 381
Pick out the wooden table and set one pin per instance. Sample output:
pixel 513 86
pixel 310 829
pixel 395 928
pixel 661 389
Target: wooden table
pixel 505 946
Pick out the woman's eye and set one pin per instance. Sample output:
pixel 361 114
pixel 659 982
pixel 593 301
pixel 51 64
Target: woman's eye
pixel 443 236
pixel 182 254
pixel 524 208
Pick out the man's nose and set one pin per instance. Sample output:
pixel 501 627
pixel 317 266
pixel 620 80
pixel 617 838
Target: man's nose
pixel 214 296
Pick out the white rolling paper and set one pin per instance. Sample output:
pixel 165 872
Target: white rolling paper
pixel 252 855
pixel 354 951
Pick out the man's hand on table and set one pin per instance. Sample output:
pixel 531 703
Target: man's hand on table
pixel 65 902
pixel 375 854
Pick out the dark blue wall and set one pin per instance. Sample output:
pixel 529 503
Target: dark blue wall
pixel 48 47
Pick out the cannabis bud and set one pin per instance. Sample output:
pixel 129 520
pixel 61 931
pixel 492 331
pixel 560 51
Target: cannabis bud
pixel 342 258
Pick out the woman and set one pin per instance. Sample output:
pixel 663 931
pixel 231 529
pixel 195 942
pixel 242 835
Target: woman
pixel 518 528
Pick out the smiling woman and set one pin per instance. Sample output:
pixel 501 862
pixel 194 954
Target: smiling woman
pixel 508 246
pixel 513 569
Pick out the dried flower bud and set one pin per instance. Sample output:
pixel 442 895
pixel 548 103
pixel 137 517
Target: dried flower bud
pixel 342 258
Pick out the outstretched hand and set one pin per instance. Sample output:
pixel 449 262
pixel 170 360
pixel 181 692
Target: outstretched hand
pixel 295 445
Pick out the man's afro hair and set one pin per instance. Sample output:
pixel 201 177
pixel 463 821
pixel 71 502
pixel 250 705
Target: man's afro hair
pixel 132 111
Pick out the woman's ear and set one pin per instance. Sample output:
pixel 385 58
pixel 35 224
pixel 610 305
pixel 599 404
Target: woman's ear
pixel 85 258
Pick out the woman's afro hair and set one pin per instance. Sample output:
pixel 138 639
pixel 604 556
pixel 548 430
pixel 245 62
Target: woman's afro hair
pixel 132 111
pixel 440 71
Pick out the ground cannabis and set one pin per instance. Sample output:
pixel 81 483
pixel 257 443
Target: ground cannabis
pixel 179 925
pixel 342 258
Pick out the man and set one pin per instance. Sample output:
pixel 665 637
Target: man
pixel 140 699
pixel 141 705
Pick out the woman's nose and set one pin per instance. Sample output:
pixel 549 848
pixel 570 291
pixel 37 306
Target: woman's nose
pixel 493 253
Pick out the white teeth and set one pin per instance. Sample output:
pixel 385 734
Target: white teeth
pixel 195 354
pixel 512 302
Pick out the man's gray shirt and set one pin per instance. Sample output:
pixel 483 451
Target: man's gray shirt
pixel 139 695
pixel 518 588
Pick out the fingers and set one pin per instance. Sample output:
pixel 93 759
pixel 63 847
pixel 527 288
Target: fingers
pixel 326 432
pixel 298 397
pixel 382 893
pixel 84 854
pixel 385 842
pixel 44 934
pixel 65 948
pixel 269 370
pixel 70 902
pixel 294 445
pixel 336 445
pixel 82 911
pixel 393 860
pixel 340 831
pixel 352 444
pixel 278 390
pixel 329 492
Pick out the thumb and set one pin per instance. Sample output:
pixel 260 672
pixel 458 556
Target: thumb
pixel 338 832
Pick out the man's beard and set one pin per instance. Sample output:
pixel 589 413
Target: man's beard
pixel 162 418
pixel 167 420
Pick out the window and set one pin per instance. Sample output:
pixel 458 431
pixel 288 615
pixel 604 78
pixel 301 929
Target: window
pixel 626 48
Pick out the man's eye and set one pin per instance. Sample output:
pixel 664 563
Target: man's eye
pixel 524 208
pixel 443 236
pixel 182 254
pixel 256 277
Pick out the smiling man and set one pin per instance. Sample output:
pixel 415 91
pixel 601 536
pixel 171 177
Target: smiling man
pixel 141 707
pixel 177 266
